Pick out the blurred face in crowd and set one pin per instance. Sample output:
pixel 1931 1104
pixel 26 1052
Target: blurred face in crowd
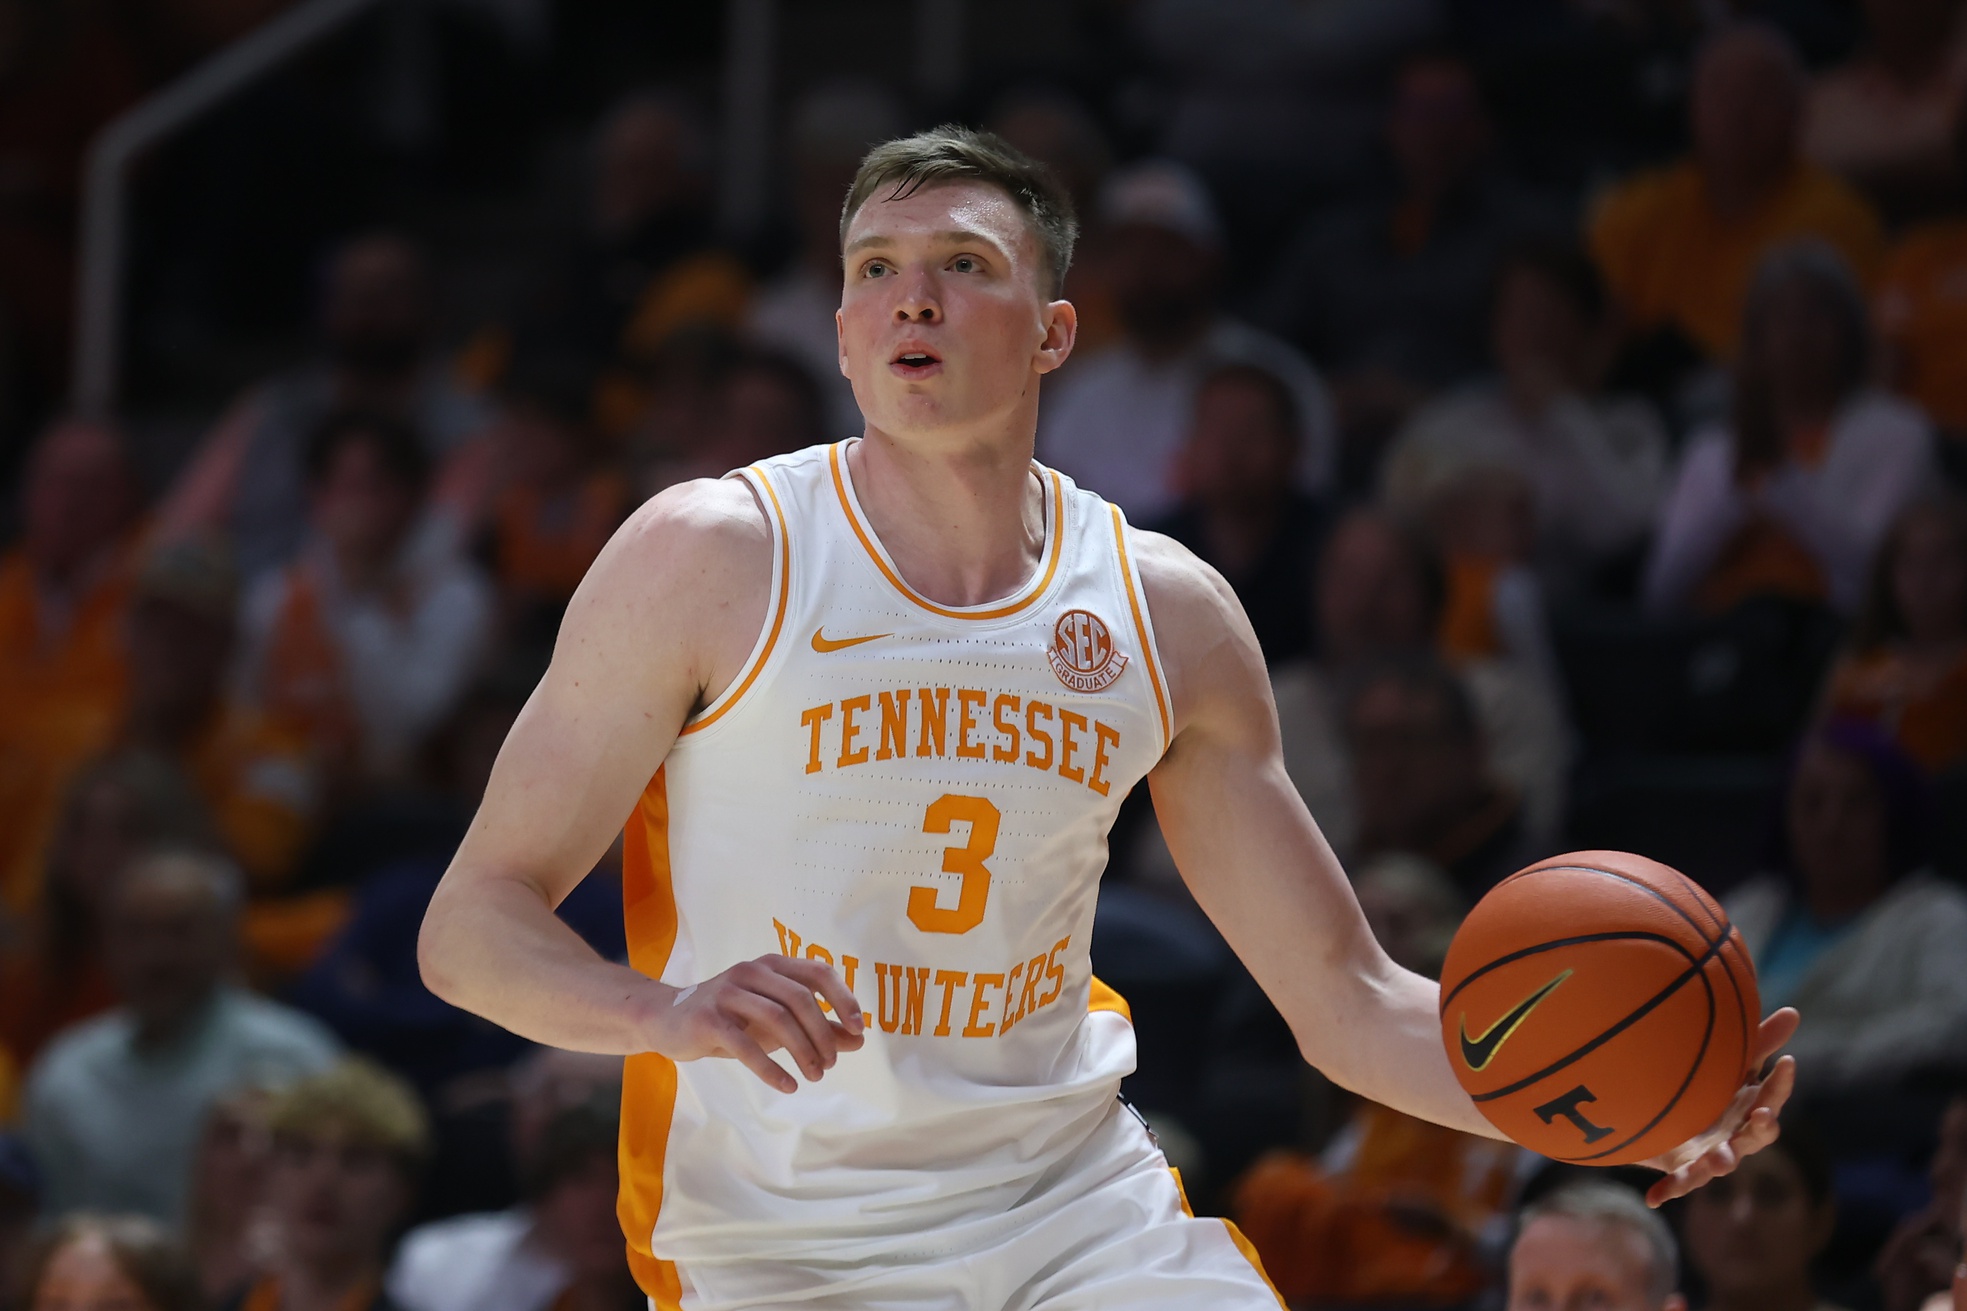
pixel 946 320
pixel 1948 1173
pixel 1061 135
pixel 361 505
pixel 644 168
pixel 1910 27
pixel 1747 102
pixel 1752 1234
pixel 1541 337
pixel 1164 283
pixel 1437 129
pixel 1929 576
pixel 228 1173
pixel 1414 774
pixel 762 413
pixel 168 938
pixel 102 831
pixel 544 450
pixel 335 1197
pixel 1798 343
pixel 1411 926
pixel 378 307
pixel 80 496
pixel 1485 514
pixel 83 1275
pixel 1566 1263
pixel 1371 597
pixel 1241 447
pixel 179 656
pixel 1837 831
pixel 576 1217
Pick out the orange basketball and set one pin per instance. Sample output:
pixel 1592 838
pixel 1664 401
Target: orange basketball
pixel 1599 1007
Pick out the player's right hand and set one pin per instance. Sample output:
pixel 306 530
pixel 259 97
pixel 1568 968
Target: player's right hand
pixel 757 1007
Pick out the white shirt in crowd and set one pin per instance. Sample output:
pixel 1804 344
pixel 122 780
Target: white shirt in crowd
pixel 487 1262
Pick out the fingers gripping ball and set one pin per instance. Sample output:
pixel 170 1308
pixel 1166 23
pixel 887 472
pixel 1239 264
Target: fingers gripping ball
pixel 1599 1008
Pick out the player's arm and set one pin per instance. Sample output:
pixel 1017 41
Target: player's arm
pixel 660 626
pixel 1258 866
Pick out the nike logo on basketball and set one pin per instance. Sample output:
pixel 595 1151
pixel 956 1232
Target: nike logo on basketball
pixel 1480 1051
pixel 823 644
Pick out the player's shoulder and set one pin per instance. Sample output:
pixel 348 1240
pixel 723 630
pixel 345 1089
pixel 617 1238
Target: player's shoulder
pixel 706 530
pixel 1204 639
pixel 1181 586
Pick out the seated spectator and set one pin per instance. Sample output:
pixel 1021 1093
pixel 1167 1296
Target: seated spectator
pixel 1484 521
pixel 98 1262
pixel 1387 293
pixel 559 1251
pixel 349 1145
pixel 1791 496
pixel 118 809
pixel 1924 1254
pixel 761 403
pixel 829 129
pixel 1907 666
pixel 1595 464
pixel 249 482
pixel 1753 1235
pixel 115 1104
pixel 1114 419
pixel 1394 1209
pixel 20 1204
pixel 1593 1245
pixel 1884 120
pixel 1922 316
pixel 369 638
pixel 1241 513
pixel 225 1225
pixel 1679 246
pixel 1851 930
pixel 63 595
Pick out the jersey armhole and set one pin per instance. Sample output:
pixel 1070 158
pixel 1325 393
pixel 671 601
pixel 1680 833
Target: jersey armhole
pixel 760 485
pixel 1143 626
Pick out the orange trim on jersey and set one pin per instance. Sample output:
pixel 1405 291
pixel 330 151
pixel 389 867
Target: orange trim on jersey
pixel 1104 998
pixel 1181 1193
pixel 1140 627
pixel 732 697
pixel 837 461
pixel 648 1080
pixel 1249 1251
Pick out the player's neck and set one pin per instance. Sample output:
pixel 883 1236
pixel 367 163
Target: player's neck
pixel 964 526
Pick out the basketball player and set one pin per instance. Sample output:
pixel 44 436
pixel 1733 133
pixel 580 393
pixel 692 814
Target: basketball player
pixel 870 710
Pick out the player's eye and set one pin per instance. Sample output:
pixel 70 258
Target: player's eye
pixel 964 264
pixel 874 268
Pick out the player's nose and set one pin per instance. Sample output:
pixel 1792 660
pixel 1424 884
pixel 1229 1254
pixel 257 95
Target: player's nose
pixel 918 302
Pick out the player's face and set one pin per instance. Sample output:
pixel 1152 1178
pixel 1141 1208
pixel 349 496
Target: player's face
pixel 946 322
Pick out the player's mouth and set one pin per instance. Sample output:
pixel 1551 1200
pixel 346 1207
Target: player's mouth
pixel 914 361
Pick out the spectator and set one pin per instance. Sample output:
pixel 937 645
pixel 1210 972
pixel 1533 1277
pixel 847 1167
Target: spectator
pixel 115 1105
pixel 1753 1235
pixel 830 128
pixel 1054 128
pixel 349 1145
pixel 1593 1245
pixel 1922 317
pixel 1907 666
pixel 117 809
pixel 1116 421
pixel 225 1219
pixel 1387 292
pixel 63 593
pixel 1853 930
pixel 249 479
pixel 20 1202
pixel 370 637
pixel 1595 464
pixel 1924 1253
pixel 560 1251
pixel 1793 494
pixel 761 403
pixel 1680 245
pixel 101 1261
pixel 1241 512
pixel 1885 119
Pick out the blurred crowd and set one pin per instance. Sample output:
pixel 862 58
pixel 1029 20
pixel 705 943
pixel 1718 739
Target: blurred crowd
pixel 1573 391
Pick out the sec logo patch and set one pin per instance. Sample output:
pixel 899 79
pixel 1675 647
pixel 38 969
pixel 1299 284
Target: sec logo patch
pixel 1082 652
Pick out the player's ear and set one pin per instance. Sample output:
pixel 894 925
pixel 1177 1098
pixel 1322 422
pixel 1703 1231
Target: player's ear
pixel 840 342
pixel 1061 331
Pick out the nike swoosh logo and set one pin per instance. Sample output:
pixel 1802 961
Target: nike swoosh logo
pixel 823 644
pixel 1480 1051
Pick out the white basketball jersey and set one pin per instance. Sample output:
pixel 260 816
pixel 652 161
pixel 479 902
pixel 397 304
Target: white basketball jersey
pixel 919 795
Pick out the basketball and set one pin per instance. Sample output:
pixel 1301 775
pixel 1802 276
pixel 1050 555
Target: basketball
pixel 1599 1008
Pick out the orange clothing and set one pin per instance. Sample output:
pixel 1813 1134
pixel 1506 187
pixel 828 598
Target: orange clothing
pixel 9 1088
pixel 1762 560
pixel 1671 260
pixel 1922 312
pixel 543 546
pixel 39 1000
pixel 1468 616
pixel 305 686
pixel 61 699
pixel 1395 1225
pixel 1927 713
pixel 258 776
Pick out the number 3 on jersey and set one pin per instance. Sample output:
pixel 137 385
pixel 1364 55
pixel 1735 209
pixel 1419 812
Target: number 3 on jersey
pixel 967 860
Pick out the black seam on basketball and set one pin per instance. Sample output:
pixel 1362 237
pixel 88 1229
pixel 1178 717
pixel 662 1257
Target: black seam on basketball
pixel 1646 888
pixel 1622 935
pixel 1707 1036
pixel 1701 899
pixel 1641 1013
pixel 1741 1000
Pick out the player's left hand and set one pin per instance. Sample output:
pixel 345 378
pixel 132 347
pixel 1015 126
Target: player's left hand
pixel 1745 1128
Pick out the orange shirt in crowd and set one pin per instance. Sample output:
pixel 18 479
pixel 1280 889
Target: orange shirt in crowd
pixel 304 683
pixel 1924 709
pixel 258 776
pixel 9 1087
pixel 1922 313
pixel 544 546
pixel 1348 1235
pixel 1671 260
pixel 61 700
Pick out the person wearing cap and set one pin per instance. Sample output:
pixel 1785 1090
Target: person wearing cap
pixel 1118 418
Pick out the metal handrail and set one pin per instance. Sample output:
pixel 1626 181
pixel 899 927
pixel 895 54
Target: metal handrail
pixel 99 292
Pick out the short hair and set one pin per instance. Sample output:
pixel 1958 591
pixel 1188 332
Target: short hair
pixel 1616 1208
pixel 398 444
pixel 959 154
pixel 574 1137
pixel 141 1249
pixel 1563 265
pixel 364 1100
pixel 1283 404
